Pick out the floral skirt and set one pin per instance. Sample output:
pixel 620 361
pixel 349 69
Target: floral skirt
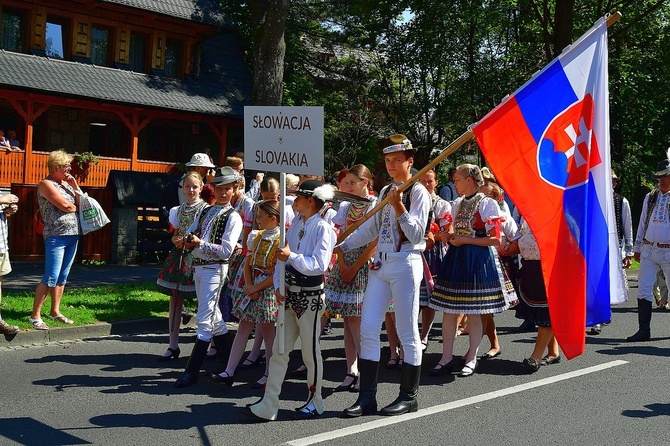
pixel 231 286
pixel 346 298
pixel 175 279
pixel 471 281
pixel 263 310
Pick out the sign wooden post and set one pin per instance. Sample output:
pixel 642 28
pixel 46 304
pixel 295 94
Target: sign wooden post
pixel 284 140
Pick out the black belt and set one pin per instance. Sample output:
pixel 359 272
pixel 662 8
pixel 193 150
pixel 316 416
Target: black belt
pixel 294 277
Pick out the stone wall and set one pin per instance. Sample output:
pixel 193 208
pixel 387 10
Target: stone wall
pixel 124 235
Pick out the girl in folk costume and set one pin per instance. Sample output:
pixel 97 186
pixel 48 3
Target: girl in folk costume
pixel 435 250
pixel 244 206
pixel 509 229
pixel 212 237
pixel 348 279
pixel 471 279
pixel 269 190
pixel 256 304
pixel 176 277
pixel 396 275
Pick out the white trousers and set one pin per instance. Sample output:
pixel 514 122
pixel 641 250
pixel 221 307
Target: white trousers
pixel 398 279
pixel 652 259
pixel 308 328
pixel 208 280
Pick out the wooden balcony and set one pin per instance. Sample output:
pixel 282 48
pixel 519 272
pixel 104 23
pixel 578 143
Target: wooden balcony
pixel 12 168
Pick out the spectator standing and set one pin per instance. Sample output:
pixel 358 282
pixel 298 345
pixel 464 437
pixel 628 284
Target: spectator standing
pixel 448 191
pixel 8 206
pixel 58 202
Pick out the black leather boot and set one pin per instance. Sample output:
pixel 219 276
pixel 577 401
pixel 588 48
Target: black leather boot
pixel 223 344
pixel 195 361
pixel 409 389
pixel 644 321
pixel 366 404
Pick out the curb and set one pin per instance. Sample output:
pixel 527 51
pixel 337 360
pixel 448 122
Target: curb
pixel 101 330
pixel 31 337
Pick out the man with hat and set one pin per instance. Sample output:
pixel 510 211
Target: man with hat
pixel 652 247
pixel 309 248
pixel 395 275
pixel 173 194
pixel 212 237
pixel 624 229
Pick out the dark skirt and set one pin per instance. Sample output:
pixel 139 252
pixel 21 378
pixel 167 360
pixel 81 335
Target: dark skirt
pixel 471 281
pixel 534 306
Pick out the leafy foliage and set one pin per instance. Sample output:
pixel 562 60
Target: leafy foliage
pixel 430 68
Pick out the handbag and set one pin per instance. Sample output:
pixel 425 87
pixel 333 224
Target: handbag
pixel 91 215
pixel 38 223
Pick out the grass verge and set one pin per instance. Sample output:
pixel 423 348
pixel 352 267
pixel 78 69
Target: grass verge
pixel 90 305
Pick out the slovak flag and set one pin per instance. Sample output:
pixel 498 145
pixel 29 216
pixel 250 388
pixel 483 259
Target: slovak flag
pixel 548 145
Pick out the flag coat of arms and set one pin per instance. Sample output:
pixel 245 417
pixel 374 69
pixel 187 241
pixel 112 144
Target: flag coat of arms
pixel 548 145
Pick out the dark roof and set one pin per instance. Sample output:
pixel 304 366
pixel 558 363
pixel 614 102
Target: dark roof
pixel 204 11
pixel 138 188
pixel 224 94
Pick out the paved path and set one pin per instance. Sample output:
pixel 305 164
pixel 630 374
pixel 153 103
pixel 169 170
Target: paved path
pixel 26 275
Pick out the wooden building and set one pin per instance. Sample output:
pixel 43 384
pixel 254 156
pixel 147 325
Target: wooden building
pixel 144 84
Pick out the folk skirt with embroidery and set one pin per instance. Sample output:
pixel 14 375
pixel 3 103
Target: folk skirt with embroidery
pixel 532 293
pixel 346 298
pixel 172 274
pixel 263 310
pixel 471 281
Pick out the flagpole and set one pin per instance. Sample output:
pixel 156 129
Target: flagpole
pixel 281 318
pixel 451 148
pixel 611 20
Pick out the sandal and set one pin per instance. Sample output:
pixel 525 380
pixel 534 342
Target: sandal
pixel 38 324
pixel 7 329
pixel 62 319
pixel 468 369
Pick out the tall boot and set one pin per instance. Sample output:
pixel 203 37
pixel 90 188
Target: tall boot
pixel 223 344
pixel 195 361
pixel 409 389
pixel 644 321
pixel 366 404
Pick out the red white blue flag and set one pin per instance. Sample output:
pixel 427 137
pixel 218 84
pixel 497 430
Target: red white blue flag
pixel 548 145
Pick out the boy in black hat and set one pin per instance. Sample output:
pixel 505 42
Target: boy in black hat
pixel 309 247
pixel 652 247
pixel 212 237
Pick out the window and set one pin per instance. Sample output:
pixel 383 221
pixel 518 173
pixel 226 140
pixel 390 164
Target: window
pixel 12 31
pixel 54 46
pixel 138 45
pixel 100 46
pixel 172 58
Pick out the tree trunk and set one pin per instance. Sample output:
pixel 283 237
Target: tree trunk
pixel 268 19
pixel 563 18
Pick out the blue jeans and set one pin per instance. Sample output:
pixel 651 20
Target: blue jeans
pixel 59 252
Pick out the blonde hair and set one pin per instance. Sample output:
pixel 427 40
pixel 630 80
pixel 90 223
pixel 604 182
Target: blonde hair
pixel 58 158
pixel 270 185
pixel 195 175
pixel 472 171
pixel 291 180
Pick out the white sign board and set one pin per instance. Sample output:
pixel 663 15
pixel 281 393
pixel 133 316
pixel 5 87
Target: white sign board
pixel 284 139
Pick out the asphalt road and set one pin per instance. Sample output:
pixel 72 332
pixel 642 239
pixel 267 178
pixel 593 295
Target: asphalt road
pixel 111 391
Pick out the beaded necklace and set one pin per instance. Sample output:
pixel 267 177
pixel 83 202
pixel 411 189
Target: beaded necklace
pixel 186 214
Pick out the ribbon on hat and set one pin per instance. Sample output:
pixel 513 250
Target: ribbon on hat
pixel 405 145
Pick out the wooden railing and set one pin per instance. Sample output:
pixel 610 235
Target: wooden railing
pixel 12 168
